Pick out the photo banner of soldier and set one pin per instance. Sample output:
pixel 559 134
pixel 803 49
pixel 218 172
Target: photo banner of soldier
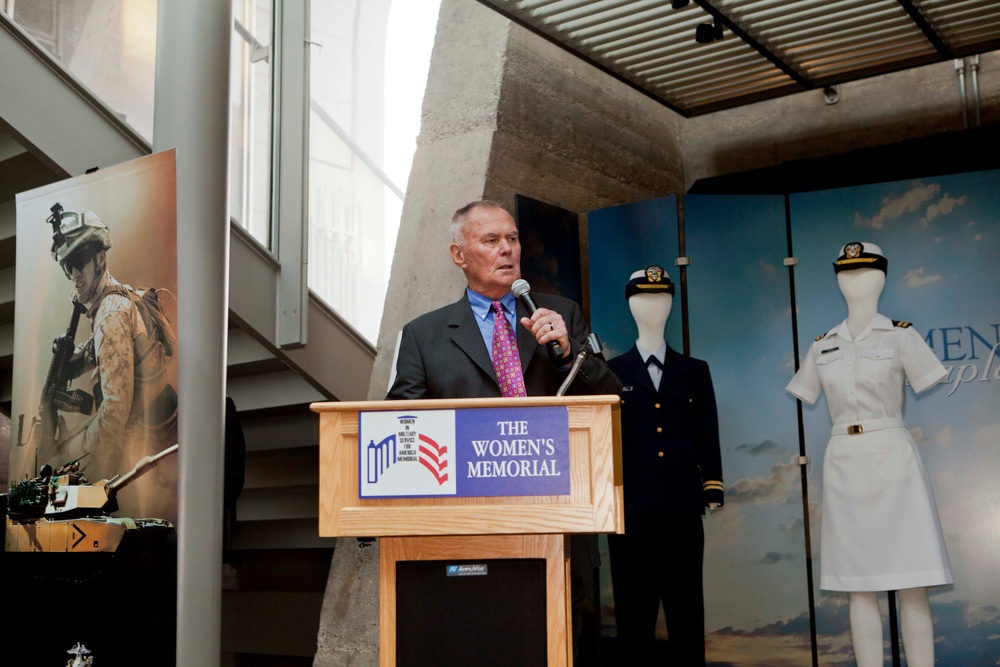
pixel 98 260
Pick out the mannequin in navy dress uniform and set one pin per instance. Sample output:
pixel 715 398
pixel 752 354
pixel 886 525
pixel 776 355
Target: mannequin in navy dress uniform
pixel 672 472
pixel 880 524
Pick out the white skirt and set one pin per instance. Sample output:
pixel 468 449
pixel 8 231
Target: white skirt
pixel 880 525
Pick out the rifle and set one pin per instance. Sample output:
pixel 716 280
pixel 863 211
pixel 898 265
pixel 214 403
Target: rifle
pixel 56 394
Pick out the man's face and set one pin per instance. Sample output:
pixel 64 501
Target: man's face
pixel 83 273
pixel 491 256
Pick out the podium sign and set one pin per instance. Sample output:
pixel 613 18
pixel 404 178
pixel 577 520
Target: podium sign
pixel 592 503
pixel 475 452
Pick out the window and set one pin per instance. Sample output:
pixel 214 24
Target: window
pixel 250 130
pixel 109 46
pixel 363 128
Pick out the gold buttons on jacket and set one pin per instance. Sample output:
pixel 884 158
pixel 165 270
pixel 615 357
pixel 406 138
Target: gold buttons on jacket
pixel 657 406
pixel 660 454
pixel 659 429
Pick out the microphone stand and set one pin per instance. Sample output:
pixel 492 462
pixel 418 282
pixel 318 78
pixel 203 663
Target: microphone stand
pixel 593 346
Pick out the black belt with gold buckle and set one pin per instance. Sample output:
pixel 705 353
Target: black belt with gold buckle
pixel 855 429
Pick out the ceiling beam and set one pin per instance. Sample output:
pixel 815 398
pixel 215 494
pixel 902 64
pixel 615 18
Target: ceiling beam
pixel 590 61
pixel 925 27
pixel 751 41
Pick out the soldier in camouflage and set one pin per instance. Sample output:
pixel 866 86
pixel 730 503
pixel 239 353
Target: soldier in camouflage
pixel 129 366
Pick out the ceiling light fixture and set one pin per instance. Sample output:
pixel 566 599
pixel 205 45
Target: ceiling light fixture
pixel 706 33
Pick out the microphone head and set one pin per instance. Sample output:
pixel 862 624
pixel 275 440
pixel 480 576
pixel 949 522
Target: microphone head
pixel 520 287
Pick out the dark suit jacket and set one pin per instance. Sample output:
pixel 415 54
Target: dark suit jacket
pixel 665 470
pixel 442 355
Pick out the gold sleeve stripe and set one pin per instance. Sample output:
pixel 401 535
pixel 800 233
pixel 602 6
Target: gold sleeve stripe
pixel 712 484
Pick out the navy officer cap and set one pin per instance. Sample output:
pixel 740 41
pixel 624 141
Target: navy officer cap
pixel 860 256
pixel 653 280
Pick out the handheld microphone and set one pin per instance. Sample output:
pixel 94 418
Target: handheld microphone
pixel 522 292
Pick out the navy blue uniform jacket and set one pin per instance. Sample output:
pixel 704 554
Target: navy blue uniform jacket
pixel 670 437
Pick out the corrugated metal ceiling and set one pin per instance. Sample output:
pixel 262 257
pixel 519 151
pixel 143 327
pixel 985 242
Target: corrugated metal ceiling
pixel 768 48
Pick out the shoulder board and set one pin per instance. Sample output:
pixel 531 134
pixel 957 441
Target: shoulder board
pixel 901 324
pixel 821 336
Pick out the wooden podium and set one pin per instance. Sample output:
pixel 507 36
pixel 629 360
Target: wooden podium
pixel 463 528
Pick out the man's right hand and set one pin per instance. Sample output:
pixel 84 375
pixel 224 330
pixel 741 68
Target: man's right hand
pixel 548 325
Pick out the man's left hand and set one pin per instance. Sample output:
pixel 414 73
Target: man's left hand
pixel 546 325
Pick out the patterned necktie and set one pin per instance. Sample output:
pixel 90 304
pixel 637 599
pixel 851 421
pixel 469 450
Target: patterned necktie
pixel 506 361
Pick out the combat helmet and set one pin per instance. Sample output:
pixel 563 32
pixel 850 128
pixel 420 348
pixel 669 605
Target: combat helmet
pixel 72 231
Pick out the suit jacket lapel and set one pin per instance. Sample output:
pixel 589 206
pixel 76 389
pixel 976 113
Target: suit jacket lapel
pixel 639 372
pixel 671 370
pixel 465 333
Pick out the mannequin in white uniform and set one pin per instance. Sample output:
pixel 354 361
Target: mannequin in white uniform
pixel 862 289
pixel 880 526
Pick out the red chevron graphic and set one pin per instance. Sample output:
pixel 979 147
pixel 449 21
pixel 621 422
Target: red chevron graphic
pixel 433 457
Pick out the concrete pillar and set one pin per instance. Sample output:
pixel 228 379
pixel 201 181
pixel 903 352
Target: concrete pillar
pixel 192 115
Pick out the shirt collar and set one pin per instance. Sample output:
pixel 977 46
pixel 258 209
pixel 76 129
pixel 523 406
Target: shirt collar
pixel 482 306
pixel 660 352
pixel 878 322
pixel 882 322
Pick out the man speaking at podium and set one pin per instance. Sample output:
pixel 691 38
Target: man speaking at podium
pixel 465 351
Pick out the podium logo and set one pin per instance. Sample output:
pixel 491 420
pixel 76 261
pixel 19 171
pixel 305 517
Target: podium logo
pixel 430 455
pixel 434 457
pixel 471 570
pixel 415 457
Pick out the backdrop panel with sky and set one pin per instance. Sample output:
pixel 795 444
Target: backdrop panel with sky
pixel 942 238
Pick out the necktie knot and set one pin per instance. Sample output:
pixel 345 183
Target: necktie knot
pixel 656 362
